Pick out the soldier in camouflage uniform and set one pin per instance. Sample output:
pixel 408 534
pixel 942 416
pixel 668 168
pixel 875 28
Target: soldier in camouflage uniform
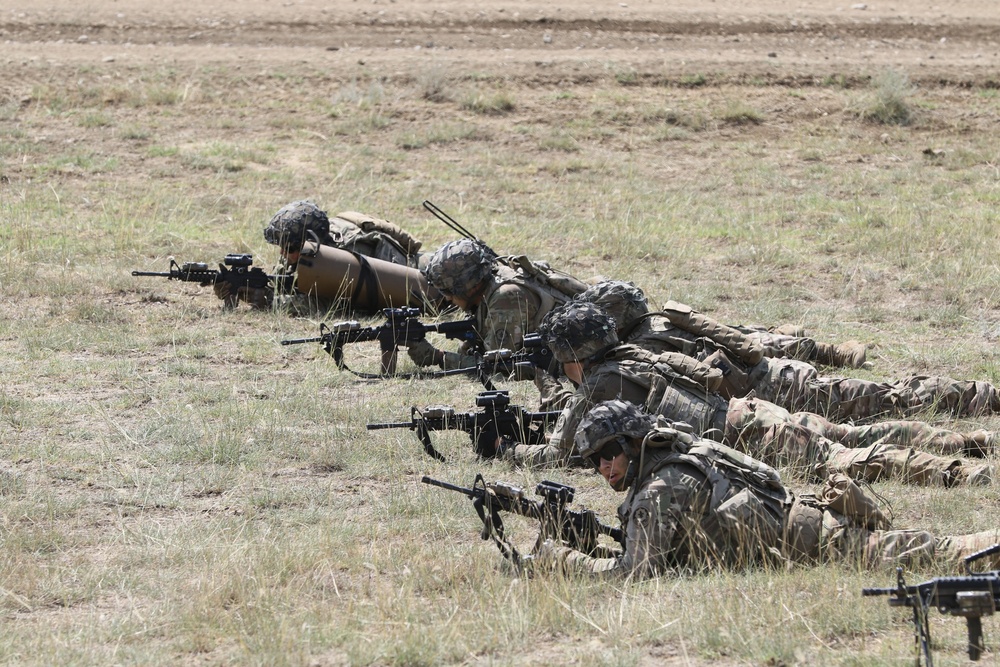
pixel 583 337
pixel 302 221
pixel 508 296
pixel 790 383
pixel 655 331
pixel 694 504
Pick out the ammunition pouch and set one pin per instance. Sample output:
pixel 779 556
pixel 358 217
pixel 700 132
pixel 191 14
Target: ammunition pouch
pixel 803 530
pixel 737 380
pixel 842 495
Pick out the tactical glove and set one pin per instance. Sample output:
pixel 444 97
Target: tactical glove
pixel 424 354
pixel 259 298
pixel 222 289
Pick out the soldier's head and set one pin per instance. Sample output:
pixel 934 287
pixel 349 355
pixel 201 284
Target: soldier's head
pixel 621 299
pixel 460 270
pixel 578 333
pixel 294 224
pixel 610 435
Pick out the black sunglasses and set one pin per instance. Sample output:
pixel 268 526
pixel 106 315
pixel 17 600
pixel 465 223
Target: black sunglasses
pixel 608 451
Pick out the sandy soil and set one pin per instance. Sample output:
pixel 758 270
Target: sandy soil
pixel 955 40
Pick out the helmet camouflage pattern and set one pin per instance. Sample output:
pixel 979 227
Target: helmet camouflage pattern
pixel 608 420
pixel 621 299
pixel 458 267
pixel 289 227
pixel 577 330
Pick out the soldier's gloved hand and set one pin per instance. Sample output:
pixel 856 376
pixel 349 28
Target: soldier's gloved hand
pixel 424 354
pixel 258 297
pixel 551 555
pixel 222 289
pixel 470 348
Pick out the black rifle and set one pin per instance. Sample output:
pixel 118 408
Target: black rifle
pixel 973 596
pixel 534 354
pixel 578 529
pixel 402 327
pixel 240 273
pixel 497 419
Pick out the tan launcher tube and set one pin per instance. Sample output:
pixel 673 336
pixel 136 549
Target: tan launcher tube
pixel 368 283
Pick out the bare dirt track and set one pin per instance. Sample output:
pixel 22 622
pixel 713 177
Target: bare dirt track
pixel 956 41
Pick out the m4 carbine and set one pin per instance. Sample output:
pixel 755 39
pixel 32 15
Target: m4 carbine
pixel 497 419
pixel 973 596
pixel 402 326
pixel 577 529
pixel 240 273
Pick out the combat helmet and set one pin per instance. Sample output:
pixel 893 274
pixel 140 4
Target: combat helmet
pixel 290 227
pixel 458 267
pixel 621 299
pixel 604 432
pixel 577 331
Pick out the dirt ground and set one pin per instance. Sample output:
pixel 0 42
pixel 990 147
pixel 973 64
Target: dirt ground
pixel 957 40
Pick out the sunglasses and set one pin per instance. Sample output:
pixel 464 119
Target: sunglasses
pixel 608 451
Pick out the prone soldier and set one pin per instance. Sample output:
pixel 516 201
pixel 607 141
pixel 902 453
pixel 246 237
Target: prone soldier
pixel 584 338
pixel 693 504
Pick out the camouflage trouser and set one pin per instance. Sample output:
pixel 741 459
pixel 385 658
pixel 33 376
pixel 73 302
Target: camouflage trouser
pixel 796 386
pixel 839 538
pixel 780 345
pixel 907 433
pixel 769 433
pixel 842 399
pixel 843 523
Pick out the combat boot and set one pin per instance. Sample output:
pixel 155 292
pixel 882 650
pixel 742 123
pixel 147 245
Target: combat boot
pixel 967 474
pixel 851 354
pixel 979 443
pixel 955 549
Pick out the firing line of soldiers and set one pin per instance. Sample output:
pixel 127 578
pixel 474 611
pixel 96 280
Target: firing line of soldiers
pixel 687 416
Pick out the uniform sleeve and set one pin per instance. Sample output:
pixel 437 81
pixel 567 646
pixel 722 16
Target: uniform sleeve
pixel 505 319
pixel 510 312
pixel 656 528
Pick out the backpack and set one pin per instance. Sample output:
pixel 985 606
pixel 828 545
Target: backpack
pixel 551 287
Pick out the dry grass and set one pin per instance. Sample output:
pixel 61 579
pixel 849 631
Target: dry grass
pixel 177 488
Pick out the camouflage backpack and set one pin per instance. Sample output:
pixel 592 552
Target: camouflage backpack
pixel 551 287
pixel 374 237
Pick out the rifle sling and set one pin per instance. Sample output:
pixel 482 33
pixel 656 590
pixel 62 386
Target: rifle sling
pixel 366 279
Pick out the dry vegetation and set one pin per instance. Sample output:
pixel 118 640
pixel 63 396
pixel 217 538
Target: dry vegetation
pixel 177 488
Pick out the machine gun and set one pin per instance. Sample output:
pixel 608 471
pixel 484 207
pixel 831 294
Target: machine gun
pixel 497 419
pixel 402 327
pixel 240 273
pixel 578 529
pixel 972 596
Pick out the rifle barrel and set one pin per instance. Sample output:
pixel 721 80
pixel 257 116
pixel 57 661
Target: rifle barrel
pixel 871 592
pixel 448 485
pixel 158 274
pixel 376 427
pixel 299 341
